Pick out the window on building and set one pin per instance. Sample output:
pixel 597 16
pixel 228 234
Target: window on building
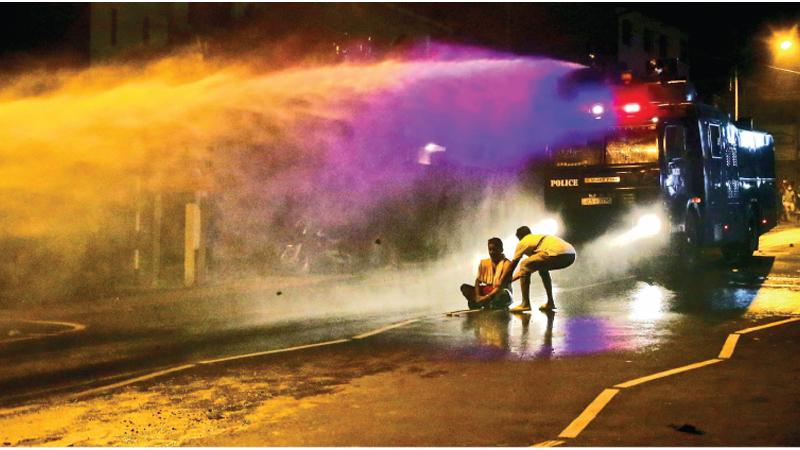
pixel 113 27
pixel 627 32
pixel 684 51
pixel 647 40
pixel 663 46
pixel 146 30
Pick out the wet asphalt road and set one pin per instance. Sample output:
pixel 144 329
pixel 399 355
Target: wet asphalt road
pixel 650 314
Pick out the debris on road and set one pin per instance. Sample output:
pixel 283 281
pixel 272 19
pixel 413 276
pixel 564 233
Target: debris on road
pixel 687 428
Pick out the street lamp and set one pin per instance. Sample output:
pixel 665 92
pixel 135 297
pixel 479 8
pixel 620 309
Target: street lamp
pixel 785 49
pixel 784 45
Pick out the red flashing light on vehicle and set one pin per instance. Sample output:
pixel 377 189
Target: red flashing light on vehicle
pixel 632 108
pixel 633 105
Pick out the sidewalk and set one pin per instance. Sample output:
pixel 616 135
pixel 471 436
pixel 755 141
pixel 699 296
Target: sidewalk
pixel 274 284
pixel 782 243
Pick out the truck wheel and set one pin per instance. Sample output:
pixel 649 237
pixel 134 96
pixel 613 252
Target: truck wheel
pixel 739 252
pixel 750 244
pixel 731 253
pixel 689 242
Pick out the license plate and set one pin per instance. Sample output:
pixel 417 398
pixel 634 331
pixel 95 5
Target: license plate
pixel 592 201
pixel 596 180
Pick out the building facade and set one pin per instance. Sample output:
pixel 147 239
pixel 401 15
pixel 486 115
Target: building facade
pixel 772 99
pixel 124 28
pixel 641 39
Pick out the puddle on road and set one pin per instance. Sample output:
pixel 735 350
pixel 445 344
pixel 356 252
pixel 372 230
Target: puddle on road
pixel 631 315
pixel 634 315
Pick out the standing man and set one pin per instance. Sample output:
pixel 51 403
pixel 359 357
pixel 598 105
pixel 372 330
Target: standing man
pixel 492 287
pixel 544 253
pixel 788 201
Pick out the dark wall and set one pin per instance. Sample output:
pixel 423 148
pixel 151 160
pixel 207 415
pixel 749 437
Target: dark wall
pixel 46 35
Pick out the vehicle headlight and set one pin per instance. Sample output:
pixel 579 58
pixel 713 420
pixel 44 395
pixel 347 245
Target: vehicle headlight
pixel 649 224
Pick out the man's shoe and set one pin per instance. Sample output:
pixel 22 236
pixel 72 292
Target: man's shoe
pixel 547 308
pixel 520 308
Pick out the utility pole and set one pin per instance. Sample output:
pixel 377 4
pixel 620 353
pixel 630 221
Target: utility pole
pixel 191 246
pixel 736 93
pixel 137 239
pixel 156 242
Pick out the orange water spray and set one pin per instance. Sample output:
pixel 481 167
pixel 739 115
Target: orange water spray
pixel 77 148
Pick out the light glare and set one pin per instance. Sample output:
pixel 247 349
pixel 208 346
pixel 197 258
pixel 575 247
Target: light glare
pixel 434 148
pixel 783 43
pixel 648 225
pixel 546 226
pixel 632 108
pixel 424 156
pixel 647 304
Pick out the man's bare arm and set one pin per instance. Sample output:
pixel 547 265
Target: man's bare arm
pixel 506 271
pixel 507 278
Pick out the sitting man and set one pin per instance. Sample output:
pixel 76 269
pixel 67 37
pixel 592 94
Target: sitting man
pixel 544 253
pixel 489 290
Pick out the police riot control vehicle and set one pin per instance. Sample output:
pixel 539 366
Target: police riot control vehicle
pixel 684 166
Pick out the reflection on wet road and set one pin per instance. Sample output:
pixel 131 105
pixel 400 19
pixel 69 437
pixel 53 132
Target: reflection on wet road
pixel 640 312
pixel 632 314
pixel 657 319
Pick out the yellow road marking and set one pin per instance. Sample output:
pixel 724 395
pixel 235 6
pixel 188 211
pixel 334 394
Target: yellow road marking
pixel 588 414
pixel 730 344
pixel 271 352
pixel 452 313
pixel 667 373
pixel 73 327
pixel 386 328
pixel 594 408
pixel 468 311
pixel 765 284
pixel 133 380
pixel 773 324
pixel 18 409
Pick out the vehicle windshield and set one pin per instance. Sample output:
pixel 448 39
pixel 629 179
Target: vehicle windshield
pixel 583 154
pixel 632 146
pixel 624 146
